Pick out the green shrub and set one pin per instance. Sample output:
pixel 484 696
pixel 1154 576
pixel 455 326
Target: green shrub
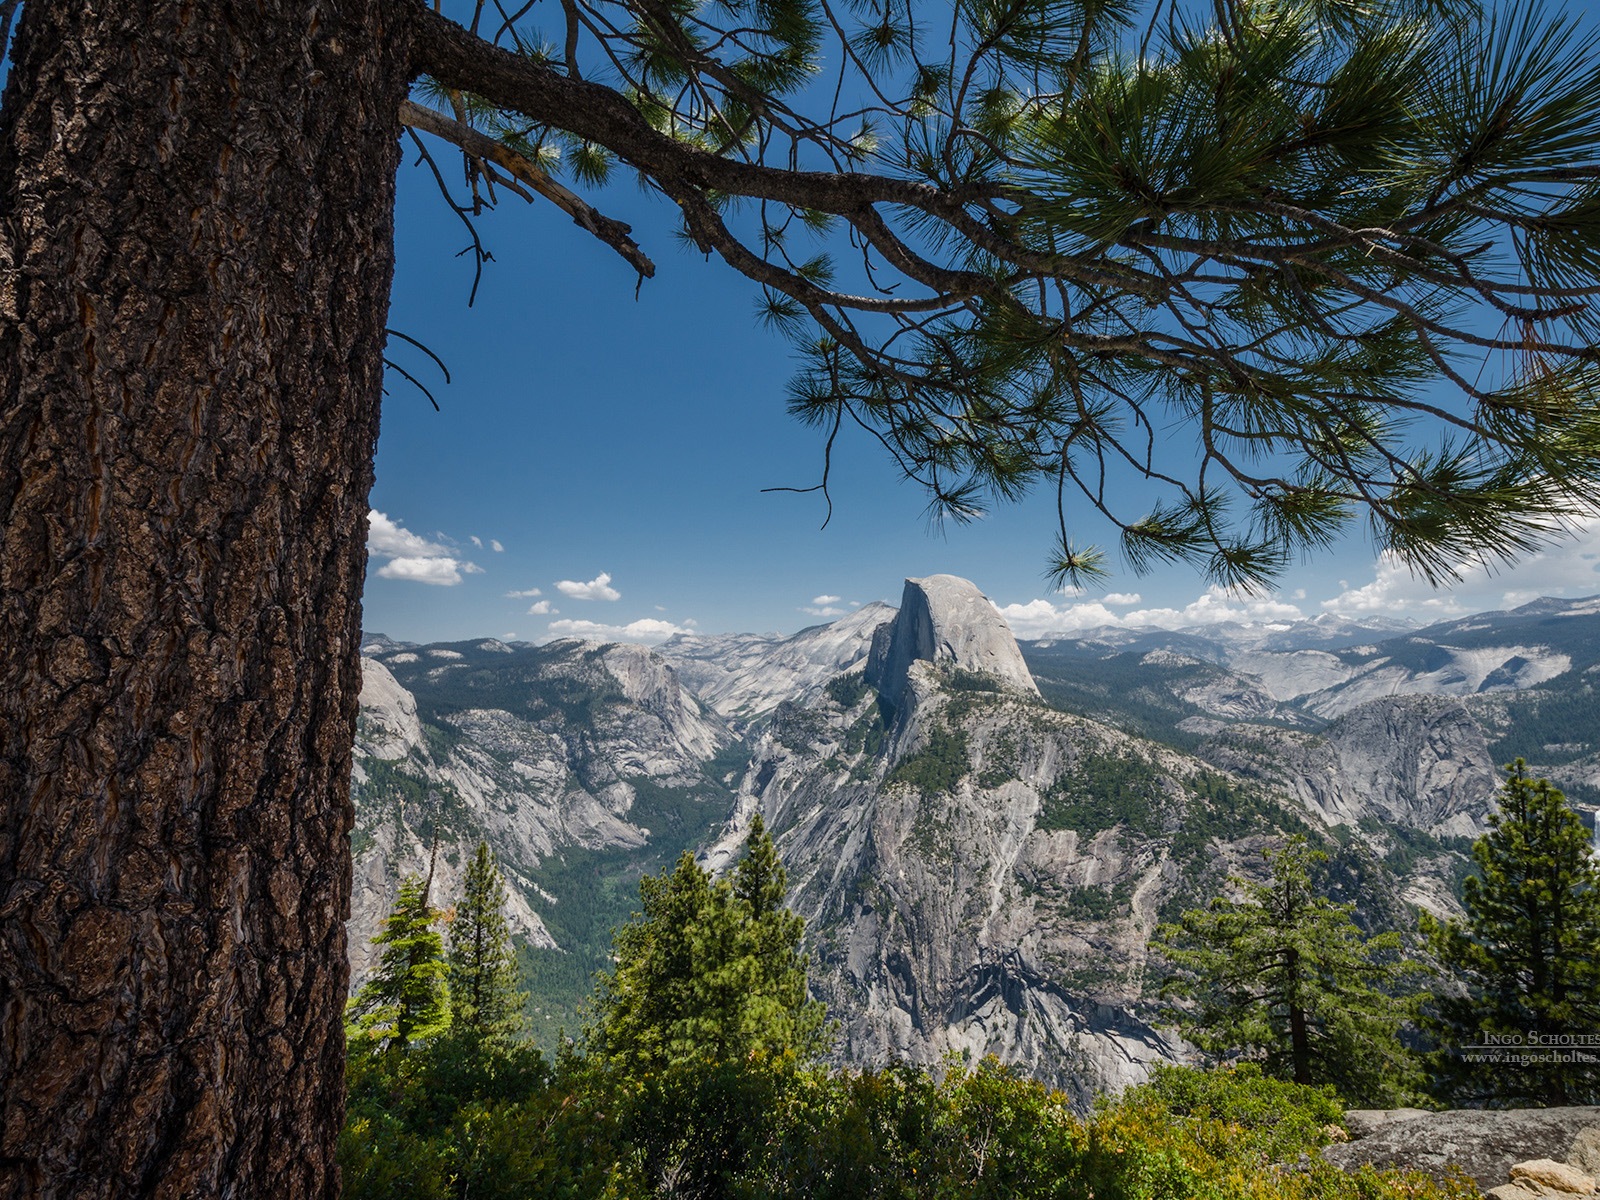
pixel 847 690
pixel 1277 1118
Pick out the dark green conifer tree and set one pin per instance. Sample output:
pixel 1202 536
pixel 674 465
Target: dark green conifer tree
pixel 711 970
pixel 408 997
pixel 1285 975
pixel 1519 1019
pixel 705 1017
pixel 484 997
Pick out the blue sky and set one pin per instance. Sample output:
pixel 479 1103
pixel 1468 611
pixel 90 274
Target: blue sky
pixel 599 460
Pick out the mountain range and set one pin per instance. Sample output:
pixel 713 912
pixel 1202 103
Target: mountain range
pixel 981 834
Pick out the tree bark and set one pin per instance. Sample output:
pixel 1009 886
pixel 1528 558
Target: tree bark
pixel 195 256
pixel 1299 1034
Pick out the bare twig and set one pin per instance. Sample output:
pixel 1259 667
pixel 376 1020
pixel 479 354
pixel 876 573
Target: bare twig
pixel 612 232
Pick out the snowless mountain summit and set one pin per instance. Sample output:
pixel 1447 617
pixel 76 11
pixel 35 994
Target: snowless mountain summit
pixel 944 619
pixel 983 849
pixel 744 676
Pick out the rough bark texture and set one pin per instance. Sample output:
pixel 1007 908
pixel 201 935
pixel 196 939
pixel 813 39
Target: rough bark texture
pixel 195 255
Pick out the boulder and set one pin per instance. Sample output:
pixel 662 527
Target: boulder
pixel 1513 1191
pixel 1585 1151
pixel 1547 1175
pixel 1364 1122
pixel 1484 1143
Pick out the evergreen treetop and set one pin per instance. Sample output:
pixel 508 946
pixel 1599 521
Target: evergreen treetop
pixel 711 970
pixel 1523 993
pixel 1285 975
pixel 407 999
pixel 484 994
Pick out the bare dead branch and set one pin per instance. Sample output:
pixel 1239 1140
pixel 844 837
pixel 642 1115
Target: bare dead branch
pixel 612 232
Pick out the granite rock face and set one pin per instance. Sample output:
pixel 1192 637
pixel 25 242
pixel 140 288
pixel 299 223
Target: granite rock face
pixel 1484 1143
pixel 389 727
pixel 533 750
pixel 1364 1122
pixel 952 919
pixel 1416 761
pixel 744 676
pixel 947 621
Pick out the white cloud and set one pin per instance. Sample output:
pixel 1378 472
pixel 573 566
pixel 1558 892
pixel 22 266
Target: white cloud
pixel 598 588
pixel 825 601
pixel 1570 567
pixel 509 637
pixel 524 594
pixel 542 609
pixel 413 557
pixel 1041 618
pixel 476 540
pixel 1394 592
pixel 446 572
pixel 494 544
pixel 648 630
pixel 1215 605
pixel 389 539
pixel 827 610
pixel 1121 599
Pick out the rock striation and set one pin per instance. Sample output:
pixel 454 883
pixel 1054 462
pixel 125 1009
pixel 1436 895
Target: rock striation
pixel 1421 762
pixel 946 621
pixel 744 676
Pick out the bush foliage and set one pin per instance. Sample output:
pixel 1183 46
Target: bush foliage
pixel 699 1076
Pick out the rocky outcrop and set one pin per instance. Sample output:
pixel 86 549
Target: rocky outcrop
pixel 661 729
pixel 388 727
pixel 744 676
pixel 1444 670
pixel 1484 1143
pixel 535 750
pixel 1541 1177
pixel 1364 1122
pixel 1415 761
pixel 949 917
pixel 1420 761
pixel 946 621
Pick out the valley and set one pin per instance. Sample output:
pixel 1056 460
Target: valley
pixel 981 834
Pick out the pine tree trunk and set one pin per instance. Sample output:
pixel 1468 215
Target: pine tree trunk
pixel 195 256
pixel 1299 1033
pixel 1299 1045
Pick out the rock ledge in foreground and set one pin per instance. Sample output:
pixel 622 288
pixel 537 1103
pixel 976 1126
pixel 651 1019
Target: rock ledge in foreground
pixel 1484 1143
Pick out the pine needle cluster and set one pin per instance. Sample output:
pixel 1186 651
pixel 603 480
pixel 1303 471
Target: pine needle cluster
pixel 1227 277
